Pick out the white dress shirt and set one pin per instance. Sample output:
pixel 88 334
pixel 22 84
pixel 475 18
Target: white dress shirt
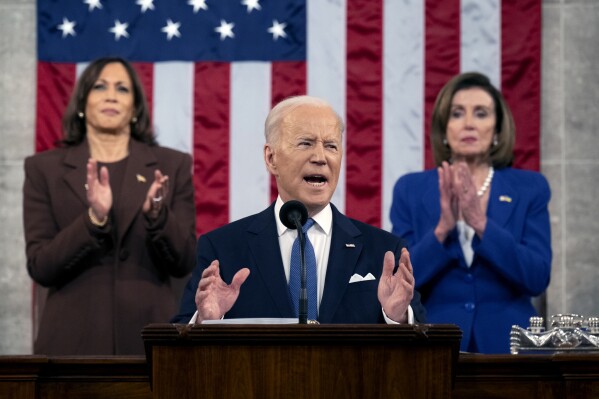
pixel 320 237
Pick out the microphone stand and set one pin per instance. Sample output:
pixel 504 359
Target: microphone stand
pixel 303 297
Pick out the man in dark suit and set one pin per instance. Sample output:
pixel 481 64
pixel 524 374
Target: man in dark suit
pixel 364 274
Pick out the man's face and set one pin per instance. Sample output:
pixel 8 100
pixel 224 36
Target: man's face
pixel 306 157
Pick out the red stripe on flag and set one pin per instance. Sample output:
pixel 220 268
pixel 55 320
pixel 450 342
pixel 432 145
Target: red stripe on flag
pixel 521 76
pixel 287 79
pixel 211 144
pixel 55 83
pixel 441 60
pixel 145 71
pixel 364 110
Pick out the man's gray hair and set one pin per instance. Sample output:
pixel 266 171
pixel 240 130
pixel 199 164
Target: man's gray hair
pixel 277 114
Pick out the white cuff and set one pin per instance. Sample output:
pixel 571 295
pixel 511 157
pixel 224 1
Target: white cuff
pixel 194 318
pixel 410 317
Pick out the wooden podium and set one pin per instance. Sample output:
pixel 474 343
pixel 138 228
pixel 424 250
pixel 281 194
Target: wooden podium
pixel 301 361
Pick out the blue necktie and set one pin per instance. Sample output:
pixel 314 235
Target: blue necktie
pixel 295 274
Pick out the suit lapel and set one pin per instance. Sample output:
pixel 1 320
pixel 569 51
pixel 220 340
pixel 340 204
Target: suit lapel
pixel 343 259
pixel 139 175
pixel 430 202
pixel 503 198
pixel 76 160
pixel 263 242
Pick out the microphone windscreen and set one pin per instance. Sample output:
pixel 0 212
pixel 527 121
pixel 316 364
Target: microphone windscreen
pixel 291 211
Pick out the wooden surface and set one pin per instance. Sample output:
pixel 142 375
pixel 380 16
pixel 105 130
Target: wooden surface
pixel 29 377
pixel 558 376
pixel 302 361
pixel 571 376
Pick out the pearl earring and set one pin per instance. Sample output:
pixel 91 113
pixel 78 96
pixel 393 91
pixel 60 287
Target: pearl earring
pixel 81 115
pixel 495 142
pixel 134 120
pixel 445 142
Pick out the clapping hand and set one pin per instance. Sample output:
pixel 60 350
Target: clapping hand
pixel 99 193
pixel 156 195
pixel 469 202
pixel 458 199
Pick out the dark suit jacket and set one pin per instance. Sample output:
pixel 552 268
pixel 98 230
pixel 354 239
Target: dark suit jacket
pixel 103 289
pixel 252 242
pixel 512 262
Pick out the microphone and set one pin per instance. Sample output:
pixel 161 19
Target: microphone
pixel 294 215
pixel 293 212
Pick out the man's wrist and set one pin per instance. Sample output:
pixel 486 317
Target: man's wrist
pixel 407 319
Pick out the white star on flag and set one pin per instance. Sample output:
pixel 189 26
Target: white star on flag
pixel 225 29
pixel 171 29
pixel 119 29
pixel 145 5
pixel 93 4
pixel 67 27
pixel 251 5
pixel 197 4
pixel 277 29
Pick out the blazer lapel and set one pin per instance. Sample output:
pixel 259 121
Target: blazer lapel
pixel 76 160
pixel 430 202
pixel 343 259
pixel 503 198
pixel 263 242
pixel 139 175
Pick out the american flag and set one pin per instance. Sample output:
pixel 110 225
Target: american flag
pixel 212 69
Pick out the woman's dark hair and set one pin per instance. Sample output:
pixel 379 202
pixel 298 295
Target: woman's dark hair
pixel 73 126
pixel 502 154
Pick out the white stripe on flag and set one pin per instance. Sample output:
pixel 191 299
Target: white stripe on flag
pixel 80 68
pixel 326 65
pixel 173 104
pixel 480 29
pixel 249 181
pixel 403 93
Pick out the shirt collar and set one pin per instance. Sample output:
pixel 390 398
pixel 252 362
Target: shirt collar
pixel 323 219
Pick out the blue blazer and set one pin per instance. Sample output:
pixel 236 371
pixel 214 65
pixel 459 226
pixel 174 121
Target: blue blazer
pixel 511 263
pixel 253 242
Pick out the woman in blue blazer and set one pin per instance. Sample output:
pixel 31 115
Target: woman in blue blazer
pixel 478 230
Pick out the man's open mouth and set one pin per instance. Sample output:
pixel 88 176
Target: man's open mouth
pixel 315 180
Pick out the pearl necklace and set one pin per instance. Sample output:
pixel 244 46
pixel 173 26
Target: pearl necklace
pixel 486 183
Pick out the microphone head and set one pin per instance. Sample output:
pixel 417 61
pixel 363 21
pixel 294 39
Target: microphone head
pixel 291 211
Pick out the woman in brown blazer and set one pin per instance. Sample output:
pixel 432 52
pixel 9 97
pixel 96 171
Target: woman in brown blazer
pixel 109 219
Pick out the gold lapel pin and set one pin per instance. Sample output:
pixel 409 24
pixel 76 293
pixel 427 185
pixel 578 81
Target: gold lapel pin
pixel 505 198
pixel 140 178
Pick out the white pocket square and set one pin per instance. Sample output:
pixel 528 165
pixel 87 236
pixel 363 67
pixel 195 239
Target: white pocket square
pixel 356 278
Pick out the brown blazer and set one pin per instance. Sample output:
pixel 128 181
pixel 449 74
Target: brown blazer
pixel 102 289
